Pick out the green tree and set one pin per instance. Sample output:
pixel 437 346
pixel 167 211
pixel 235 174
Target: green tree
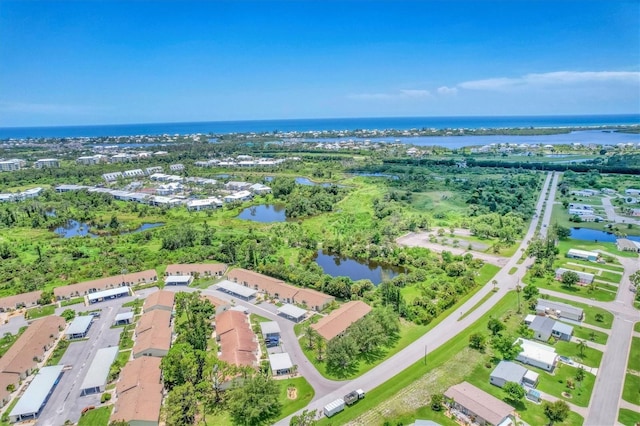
pixel 306 418
pixel 513 391
pixel 505 346
pixel 478 341
pixel 599 317
pixel 180 366
pixel 530 291
pixel 436 401
pixel 562 232
pixel 579 375
pixel 254 402
pixel 495 326
pixel 68 314
pixel 556 412
pixel 569 279
pixel 342 355
pixel 582 346
pixel 181 406
pixel 46 297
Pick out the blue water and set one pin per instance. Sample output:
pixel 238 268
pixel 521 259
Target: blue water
pixel 337 266
pixel 400 123
pixel 265 213
pixel 587 234
pixel 81 229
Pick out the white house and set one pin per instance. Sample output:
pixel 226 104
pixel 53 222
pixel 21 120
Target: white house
pixel 238 196
pixel 536 354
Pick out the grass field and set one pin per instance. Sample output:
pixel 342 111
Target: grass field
pixel 96 417
pixel 590 335
pixel 474 307
pixel 631 390
pixel 40 311
pixel 8 340
pixel 447 365
pixel 628 417
pixel 565 245
pixel 58 352
pixel 591 358
pixel 637 327
pixel 304 395
pixel 634 359
pixel 557 384
pixel 550 283
pixel 74 301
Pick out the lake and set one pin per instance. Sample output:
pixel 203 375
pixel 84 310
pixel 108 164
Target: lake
pixel 308 182
pixel 587 234
pixel 73 228
pixel 265 213
pixel 337 266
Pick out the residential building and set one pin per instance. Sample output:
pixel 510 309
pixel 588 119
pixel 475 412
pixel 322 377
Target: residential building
pixel 280 363
pixel 139 393
pixel 559 310
pixel 153 334
pixel 12 165
pixel 162 300
pixel 176 167
pixel 544 328
pixel 238 344
pixel 584 278
pixel 198 270
pixel 260 189
pixel 151 170
pixel 471 405
pixel 624 244
pixel 120 158
pixel 133 173
pixel 112 177
pixel 204 204
pixel 507 371
pixel 337 322
pixel 632 191
pixel 237 186
pixel 537 354
pixel 591 256
pixel 84 288
pixel 47 163
pixel 24 300
pixel 237 197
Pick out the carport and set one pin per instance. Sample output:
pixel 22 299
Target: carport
pixel 245 293
pixel 280 363
pixel 292 312
pixel 112 293
pixel 79 327
pixel 178 280
pixel 96 377
pixel 37 394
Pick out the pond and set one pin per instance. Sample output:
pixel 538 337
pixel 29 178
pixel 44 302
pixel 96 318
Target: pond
pixel 337 266
pixel 309 182
pixel 376 174
pixel 73 228
pixel 265 213
pixel 587 234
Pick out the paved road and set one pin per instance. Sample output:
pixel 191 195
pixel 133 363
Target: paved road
pixel 448 328
pixel 613 216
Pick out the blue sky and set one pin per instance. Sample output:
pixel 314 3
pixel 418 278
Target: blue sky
pixel 102 62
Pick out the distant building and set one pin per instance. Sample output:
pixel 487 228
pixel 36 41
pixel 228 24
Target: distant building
pixel 47 163
pixel 112 177
pixel 12 165
pixel 133 173
pixel 176 167
pixel 559 310
pixel 204 204
pixel 624 244
pixel 120 158
pixel 632 191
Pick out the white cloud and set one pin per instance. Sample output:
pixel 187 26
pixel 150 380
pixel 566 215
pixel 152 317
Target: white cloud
pixel 553 79
pixel 444 90
pixel 399 95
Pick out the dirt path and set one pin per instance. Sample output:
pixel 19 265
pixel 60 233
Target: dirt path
pixel 421 239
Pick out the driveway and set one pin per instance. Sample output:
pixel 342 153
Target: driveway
pixel 612 216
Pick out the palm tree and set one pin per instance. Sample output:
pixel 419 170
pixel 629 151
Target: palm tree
pixel 495 283
pixel 582 345
pixel 310 333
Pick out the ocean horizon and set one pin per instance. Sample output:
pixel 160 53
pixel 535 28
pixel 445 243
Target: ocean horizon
pixel 319 124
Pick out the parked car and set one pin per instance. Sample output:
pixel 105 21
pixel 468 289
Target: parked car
pixel 566 360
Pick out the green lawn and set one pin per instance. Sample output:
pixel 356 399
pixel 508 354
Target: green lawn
pixel 590 312
pixel 304 395
pixel 631 391
pixel 637 327
pixel 550 283
pixel 634 358
pixel 513 270
pixel 8 340
pixel 74 301
pixel 565 245
pixel 590 335
pixel 591 358
pixel 58 352
pixel 96 417
pixel 474 307
pixel 40 311
pixel 486 273
pixel 628 417
pixel 610 276
pixel 556 384
pixel 423 413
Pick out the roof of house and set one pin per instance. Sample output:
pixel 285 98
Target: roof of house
pixel 237 341
pixel 159 298
pixel 178 279
pixel 192 268
pixel 542 325
pixel 153 331
pixel 509 371
pixel 79 325
pixel 582 253
pixel 107 282
pixel 537 351
pixel 562 328
pixel 582 275
pixel 99 369
pixel 479 402
pixel 312 298
pixel 41 333
pixel 139 391
pixel 38 391
pixel 559 307
pixel 30 298
pixel 7 379
pixel 625 243
pixel 337 321
pixel 214 300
